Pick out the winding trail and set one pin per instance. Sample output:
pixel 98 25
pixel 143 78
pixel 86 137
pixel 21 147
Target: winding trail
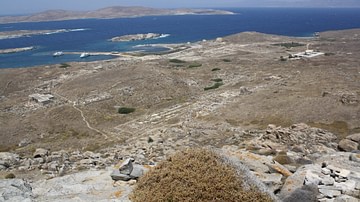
pixel 82 115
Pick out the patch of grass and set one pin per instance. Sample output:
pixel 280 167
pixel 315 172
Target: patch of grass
pixel 329 54
pixel 197 175
pixel 64 65
pixel 194 65
pixel 8 148
pixel 214 86
pixel 126 110
pixel 289 45
pixel 217 80
pixel 226 60
pixel 177 61
pixel 215 69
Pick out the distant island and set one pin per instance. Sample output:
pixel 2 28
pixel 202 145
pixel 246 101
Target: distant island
pixel 107 13
pixel 138 37
pixel 28 33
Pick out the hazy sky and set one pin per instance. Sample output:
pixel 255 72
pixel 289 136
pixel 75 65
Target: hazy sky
pixel 31 6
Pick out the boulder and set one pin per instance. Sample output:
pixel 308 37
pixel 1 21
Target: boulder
pixel 8 159
pixel 346 198
pixel 294 183
pixel 89 186
pixel 116 176
pixel 40 153
pixel 126 166
pixel 354 137
pixel 15 190
pixel 330 193
pixel 355 157
pixel 136 172
pixel 306 193
pixel 348 145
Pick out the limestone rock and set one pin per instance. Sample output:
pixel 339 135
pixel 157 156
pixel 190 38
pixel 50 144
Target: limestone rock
pixel 14 190
pixel 306 193
pixel 40 153
pixel 137 171
pixel 296 181
pixel 330 192
pixel 283 158
pixel 355 157
pixel 126 166
pixel 116 176
pixel 354 137
pixel 348 145
pixel 8 159
pixel 346 198
pixel 90 186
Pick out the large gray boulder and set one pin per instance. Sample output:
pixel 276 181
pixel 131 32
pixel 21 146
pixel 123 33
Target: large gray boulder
pixel 90 186
pixel 354 137
pixel 348 145
pixel 15 190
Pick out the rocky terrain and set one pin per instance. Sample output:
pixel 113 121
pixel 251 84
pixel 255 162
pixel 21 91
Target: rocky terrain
pixel 293 122
pixel 106 13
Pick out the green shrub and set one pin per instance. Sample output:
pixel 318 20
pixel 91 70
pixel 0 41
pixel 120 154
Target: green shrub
pixel 226 60
pixel 126 110
pixel 195 65
pixel 282 58
pixel 177 61
pixel 64 65
pixel 198 175
pixel 10 176
pixel 289 45
pixel 217 80
pixel 214 86
pixel 329 54
pixel 216 69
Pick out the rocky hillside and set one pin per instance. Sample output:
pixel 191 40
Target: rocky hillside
pixel 293 122
pixel 105 13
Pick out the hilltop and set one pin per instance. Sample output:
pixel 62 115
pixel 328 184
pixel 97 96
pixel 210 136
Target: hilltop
pixel 106 13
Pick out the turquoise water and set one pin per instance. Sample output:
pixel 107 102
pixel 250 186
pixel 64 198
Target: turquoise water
pixel 94 37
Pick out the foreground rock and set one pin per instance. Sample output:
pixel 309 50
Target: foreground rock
pixel 83 186
pixel 15 190
pixel 128 171
pixel 350 143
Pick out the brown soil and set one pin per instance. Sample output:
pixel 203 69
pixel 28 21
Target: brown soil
pixel 259 89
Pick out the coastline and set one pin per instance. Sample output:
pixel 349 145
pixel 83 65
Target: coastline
pixel 16 50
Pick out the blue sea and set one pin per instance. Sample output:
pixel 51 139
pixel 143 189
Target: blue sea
pixel 94 33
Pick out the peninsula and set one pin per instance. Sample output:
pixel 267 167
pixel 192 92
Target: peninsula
pixel 108 13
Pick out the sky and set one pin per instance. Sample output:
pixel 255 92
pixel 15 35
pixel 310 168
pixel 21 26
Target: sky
pixel 32 6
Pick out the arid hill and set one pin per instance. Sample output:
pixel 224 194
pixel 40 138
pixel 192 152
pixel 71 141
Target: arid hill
pixel 105 13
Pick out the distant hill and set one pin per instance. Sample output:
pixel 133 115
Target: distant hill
pixel 109 12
